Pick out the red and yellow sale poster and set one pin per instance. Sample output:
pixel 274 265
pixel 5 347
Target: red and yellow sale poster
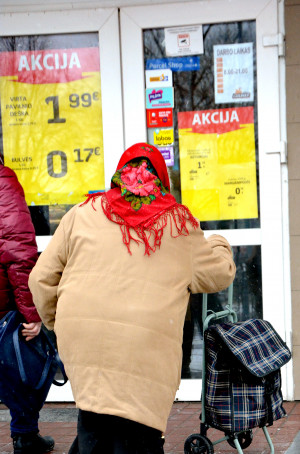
pixel 217 163
pixel 52 123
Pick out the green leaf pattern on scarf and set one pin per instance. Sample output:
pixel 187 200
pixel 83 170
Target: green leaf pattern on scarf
pixel 137 201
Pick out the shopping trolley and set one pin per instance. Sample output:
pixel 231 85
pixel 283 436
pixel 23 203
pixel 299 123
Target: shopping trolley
pixel 241 382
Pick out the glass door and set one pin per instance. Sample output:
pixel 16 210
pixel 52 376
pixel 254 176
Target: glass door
pixel 196 85
pixel 61 112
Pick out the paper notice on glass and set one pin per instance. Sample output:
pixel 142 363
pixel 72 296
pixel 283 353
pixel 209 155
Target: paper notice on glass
pixel 168 155
pixel 233 73
pixel 161 137
pixel 52 123
pixel 184 40
pixel 218 164
pixel 159 97
pixel 158 78
pixel 159 118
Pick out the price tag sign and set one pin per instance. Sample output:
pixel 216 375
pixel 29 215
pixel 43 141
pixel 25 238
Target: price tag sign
pixel 217 163
pixel 52 123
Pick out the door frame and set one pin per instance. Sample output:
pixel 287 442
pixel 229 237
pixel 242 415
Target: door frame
pixel 269 236
pixel 120 131
pixel 104 21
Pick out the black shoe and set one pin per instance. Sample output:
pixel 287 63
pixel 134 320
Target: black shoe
pixel 32 444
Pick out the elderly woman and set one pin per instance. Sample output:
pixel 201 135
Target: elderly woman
pixel 114 284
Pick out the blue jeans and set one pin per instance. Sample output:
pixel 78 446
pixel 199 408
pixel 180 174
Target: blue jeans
pixel 23 422
pixel 21 403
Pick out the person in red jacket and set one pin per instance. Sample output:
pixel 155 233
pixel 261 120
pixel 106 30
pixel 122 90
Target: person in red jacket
pixel 18 255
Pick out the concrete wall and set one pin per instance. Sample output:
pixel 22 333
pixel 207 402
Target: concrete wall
pixel 292 25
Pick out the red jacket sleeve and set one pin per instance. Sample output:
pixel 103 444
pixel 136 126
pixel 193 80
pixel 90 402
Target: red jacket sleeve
pixel 18 244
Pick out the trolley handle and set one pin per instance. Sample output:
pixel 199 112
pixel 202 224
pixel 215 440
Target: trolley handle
pixel 228 312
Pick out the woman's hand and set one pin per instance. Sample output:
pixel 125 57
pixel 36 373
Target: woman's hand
pixel 31 330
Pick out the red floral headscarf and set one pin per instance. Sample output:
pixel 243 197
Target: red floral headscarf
pixel 144 150
pixel 139 198
pixel 139 183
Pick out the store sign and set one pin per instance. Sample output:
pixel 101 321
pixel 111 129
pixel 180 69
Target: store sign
pixel 168 155
pixel 161 137
pixel 159 118
pixel 217 163
pixel 52 122
pixel 176 64
pixel 159 97
pixel 233 73
pixel 158 78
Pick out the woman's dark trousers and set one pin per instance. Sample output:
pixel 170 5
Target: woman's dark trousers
pixel 106 434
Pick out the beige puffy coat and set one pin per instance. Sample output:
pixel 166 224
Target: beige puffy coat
pixel 119 317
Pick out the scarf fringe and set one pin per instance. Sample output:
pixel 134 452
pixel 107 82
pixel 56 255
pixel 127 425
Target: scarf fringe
pixel 92 197
pixel 151 232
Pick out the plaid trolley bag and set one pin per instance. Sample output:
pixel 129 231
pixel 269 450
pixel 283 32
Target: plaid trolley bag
pixel 242 382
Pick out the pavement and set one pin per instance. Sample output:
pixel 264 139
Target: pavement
pixel 59 421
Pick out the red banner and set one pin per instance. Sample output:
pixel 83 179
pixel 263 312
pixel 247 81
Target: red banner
pixel 216 121
pixel 49 66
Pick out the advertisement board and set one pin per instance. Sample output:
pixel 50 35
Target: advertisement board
pixel 217 163
pixel 52 122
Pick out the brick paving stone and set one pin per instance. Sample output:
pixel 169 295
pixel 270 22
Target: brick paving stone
pixel 183 421
pixel 295 410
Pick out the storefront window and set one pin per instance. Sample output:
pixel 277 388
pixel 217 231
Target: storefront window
pixel 51 121
pixel 247 303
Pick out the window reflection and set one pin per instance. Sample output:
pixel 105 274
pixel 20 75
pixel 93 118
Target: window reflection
pixel 194 90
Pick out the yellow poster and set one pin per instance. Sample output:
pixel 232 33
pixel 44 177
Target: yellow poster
pixel 217 163
pixel 52 123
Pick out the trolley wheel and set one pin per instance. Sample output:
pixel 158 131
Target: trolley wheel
pixel 244 439
pixel 198 444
